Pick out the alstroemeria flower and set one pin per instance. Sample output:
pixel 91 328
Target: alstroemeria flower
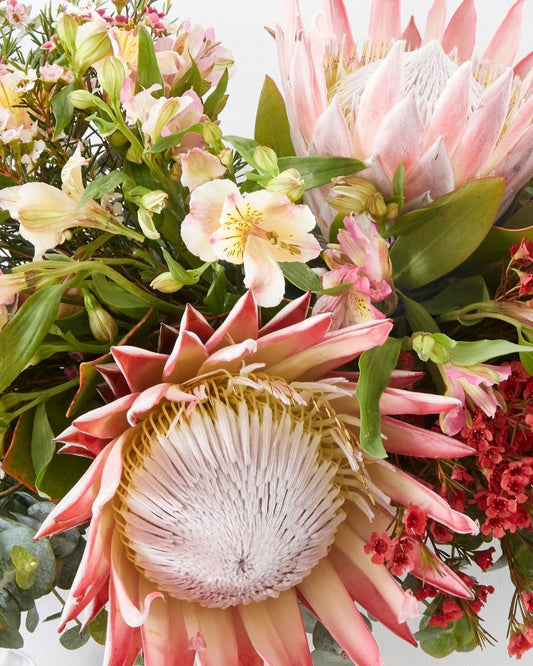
pixel 198 167
pixel 46 213
pixel 362 259
pixel 16 123
pixel 228 482
pixel 472 385
pixel 258 229
pixel 418 102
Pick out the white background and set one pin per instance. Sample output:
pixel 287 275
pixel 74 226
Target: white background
pixel 239 26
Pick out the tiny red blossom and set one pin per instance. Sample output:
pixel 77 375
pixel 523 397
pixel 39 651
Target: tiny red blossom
pixel 415 521
pixel 380 546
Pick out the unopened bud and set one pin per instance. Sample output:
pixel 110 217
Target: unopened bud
pixel 102 325
pixel 82 99
pixel 289 182
pixel 66 28
pixel 376 205
pixel 166 283
pixel 392 211
pixel 90 49
pixel 212 134
pixel 154 201
pixel 266 161
pixel 351 194
pixel 111 76
pixel 226 157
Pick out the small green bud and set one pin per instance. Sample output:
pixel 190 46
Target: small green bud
pixel 266 161
pixel 289 182
pixel 102 325
pixel 165 283
pixel 82 99
pixel 212 134
pixel 92 49
pixel 111 76
pixel 66 28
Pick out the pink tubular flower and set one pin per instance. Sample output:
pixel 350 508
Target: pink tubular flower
pixel 228 481
pixel 417 101
pixel 258 230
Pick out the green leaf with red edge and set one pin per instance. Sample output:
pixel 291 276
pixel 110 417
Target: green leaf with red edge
pixel 61 473
pixel 271 122
pixel 17 461
pixel 437 239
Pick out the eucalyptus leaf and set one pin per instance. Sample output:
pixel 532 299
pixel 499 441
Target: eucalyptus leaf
pixel 375 366
pixel 10 636
pixel 73 639
pixel 321 658
pixel 46 568
pixel 436 642
pixel 440 237
pixel 32 619
pixel 271 123
pixel 98 626
pixel 22 335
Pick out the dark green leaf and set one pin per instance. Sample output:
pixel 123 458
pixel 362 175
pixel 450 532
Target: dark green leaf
pixel 17 461
pixel 98 626
pixel 216 101
pixel 436 642
pixel 114 296
pixel 317 171
pixel 458 294
pixel 62 109
pixel 32 619
pixel 418 317
pixel 324 641
pixel 70 566
pixel 10 637
pixel 216 296
pixel 445 234
pixel 104 185
pixel 375 366
pixel 271 122
pixel 20 337
pixel 72 639
pixel 62 472
pixel 321 658
pixel 42 442
pixel 148 73
pixel 301 276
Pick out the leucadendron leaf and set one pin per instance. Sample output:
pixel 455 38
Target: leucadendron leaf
pixel 434 240
pixel 375 367
pixel 271 123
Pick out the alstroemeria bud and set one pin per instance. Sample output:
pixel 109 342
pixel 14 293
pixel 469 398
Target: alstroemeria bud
pixel 66 28
pixel 102 325
pixel 266 161
pixel 289 182
pixel 432 346
pixel 212 134
pixel 91 48
pixel 352 194
pixel 166 283
pixel 154 201
pixel 226 157
pixel 111 76
pixel 376 205
pixel 81 99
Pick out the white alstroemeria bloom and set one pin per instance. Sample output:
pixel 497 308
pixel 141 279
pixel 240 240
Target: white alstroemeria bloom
pixel 259 230
pixel 46 213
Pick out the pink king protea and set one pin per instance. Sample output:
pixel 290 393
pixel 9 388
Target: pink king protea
pixel 423 102
pixel 228 484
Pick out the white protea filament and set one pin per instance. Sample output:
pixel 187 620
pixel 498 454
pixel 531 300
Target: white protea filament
pixel 234 500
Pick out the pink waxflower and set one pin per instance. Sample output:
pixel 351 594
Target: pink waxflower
pixel 222 491
pixel 415 521
pixel 418 101
pixel 379 546
pixel 258 230
pixel 17 13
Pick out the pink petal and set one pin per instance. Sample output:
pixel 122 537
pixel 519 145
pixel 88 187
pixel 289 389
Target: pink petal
pixel 400 137
pixel 114 379
pixel 337 348
pixel 326 594
pixel 371 584
pixel 194 322
pixel 133 604
pixel 411 36
pixel 230 358
pixel 80 443
pixel 141 368
pixel 287 619
pixel 247 653
pixel 384 22
pixel 439 575
pixel 108 421
pixel 216 628
pixel 452 110
pixel 263 634
pixel 435 22
pixel 516 128
pixel 123 643
pixel 461 31
pixel 405 489
pixel 433 173
pixel 187 356
pixel 279 345
pixel 483 130
pixel 502 49
pixel 382 92
pixel 147 400
pixel 523 68
pixel 95 605
pixel 337 17
pixel 331 135
pixel 293 313
pixel 517 167
pixel 408 440
pixel 399 401
pixel 241 324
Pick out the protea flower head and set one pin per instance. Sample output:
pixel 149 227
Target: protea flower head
pixel 422 101
pixel 228 484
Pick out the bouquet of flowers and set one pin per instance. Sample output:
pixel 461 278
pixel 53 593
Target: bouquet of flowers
pixel 254 389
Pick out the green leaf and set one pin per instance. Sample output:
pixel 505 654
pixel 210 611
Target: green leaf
pixel 114 296
pixel 22 335
pixel 398 181
pixel 32 619
pixel 45 571
pixel 174 139
pixel 17 461
pixel 72 639
pixel 245 147
pixel 181 274
pixel 464 634
pixel 470 353
pixel 301 276
pixel 216 296
pixel 26 566
pixel 271 122
pixel 98 626
pixel 148 73
pixel 317 171
pixel 104 185
pixel 216 101
pixel 61 473
pixel 10 636
pixel 321 658
pixel 62 109
pixel 526 358
pixel 42 442
pixel 418 317
pixel 440 237
pixel 324 641
pixel 495 247
pixel 436 642
pixel 375 366
pixel 458 294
